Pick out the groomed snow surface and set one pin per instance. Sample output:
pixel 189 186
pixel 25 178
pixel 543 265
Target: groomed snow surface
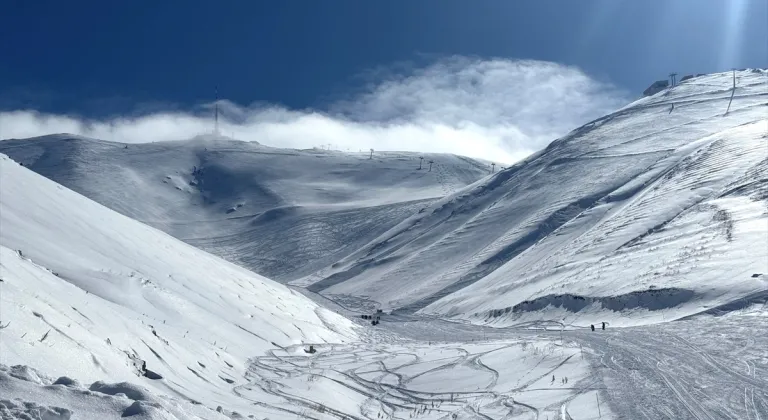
pixel 652 219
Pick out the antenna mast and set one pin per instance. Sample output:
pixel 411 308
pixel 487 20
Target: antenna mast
pixel 216 114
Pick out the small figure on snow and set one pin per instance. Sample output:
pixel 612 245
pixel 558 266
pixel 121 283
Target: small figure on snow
pixel 603 325
pixel 592 326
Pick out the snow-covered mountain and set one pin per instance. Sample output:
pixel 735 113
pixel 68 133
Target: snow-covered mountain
pixel 282 213
pixel 654 212
pixel 89 293
pixel 660 205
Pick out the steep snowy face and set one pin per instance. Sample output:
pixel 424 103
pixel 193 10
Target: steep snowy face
pixel 279 212
pixel 659 205
pixel 89 293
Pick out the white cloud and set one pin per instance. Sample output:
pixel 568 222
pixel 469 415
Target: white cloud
pixel 498 109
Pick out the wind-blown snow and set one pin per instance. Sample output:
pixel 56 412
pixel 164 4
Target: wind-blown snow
pixel 88 293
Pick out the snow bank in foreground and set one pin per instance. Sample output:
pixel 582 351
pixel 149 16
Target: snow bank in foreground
pixel 62 399
pixel 90 294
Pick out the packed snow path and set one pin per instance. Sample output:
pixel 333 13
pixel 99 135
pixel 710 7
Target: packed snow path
pixel 685 370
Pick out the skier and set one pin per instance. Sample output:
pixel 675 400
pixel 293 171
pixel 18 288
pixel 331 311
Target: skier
pixel 603 325
pixel 592 326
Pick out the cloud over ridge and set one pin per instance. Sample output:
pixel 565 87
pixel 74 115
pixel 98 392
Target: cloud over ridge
pixel 496 109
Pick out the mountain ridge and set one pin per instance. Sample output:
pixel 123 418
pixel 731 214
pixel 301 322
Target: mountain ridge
pixel 225 196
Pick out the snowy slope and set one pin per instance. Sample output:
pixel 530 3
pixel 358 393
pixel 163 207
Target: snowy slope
pixel 651 207
pixel 616 215
pixel 646 215
pixel 282 213
pixel 87 293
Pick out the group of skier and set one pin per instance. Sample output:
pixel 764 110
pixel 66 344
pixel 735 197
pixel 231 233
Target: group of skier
pixel 374 318
pixel 592 326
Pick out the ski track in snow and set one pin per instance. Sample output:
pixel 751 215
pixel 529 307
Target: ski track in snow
pixel 686 370
pixel 703 368
pixel 382 385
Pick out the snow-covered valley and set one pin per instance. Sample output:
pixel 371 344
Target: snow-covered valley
pixel 652 220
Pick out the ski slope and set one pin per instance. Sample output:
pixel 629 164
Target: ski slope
pixel 282 213
pixel 88 293
pixel 707 368
pixel 648 214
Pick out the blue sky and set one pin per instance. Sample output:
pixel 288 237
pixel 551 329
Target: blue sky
pixel 106 60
